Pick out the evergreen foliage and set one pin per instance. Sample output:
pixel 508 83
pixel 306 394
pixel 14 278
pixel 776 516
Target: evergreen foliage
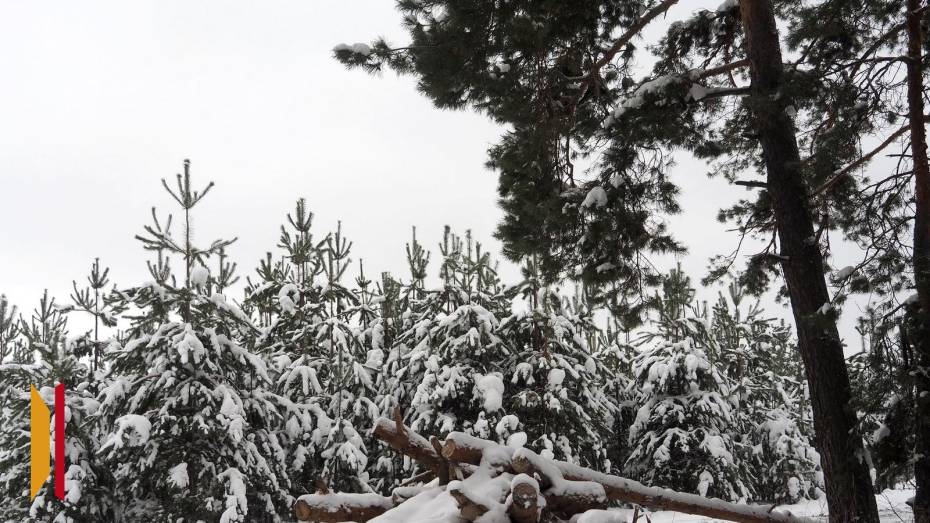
pixel 47 359
pixel 720 401
pixel 100 305
pixel 681 435
pixel 184 404
pixel 187 414
pixel 565 80
pixel 884 389
pixel 558 382
pixel 456 356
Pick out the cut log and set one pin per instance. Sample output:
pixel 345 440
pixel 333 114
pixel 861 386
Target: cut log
pixel 332 508
pixel 408 443
pixel 567 498
pixel 522 464
pixel 524 500
pixel 460 448
pixel 469 509
pixel 624 490
pixel 467 451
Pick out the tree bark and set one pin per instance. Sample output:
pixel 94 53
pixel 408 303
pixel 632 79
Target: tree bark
pixel 551 472
pixel 915 91
pixel 407 442
pixel 332 508
pixel 846 475
pixel 459 452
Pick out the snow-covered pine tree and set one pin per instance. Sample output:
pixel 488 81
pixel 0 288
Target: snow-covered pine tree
pixel 411 313
pixel 382 333
pixel 18 372
pixel 187 414
pixel 405 309
pixel 672 308
pixel 773 422
pixel 11 351
pixel 10 346
pixel 456 358
pixel 50 358
pixel 260 297
pixel 611 348
pixel 380 318
pixel 554 384
pixel 349 376
pixel 682 435
pixel 95 301
pixel 15 379
pixel 884 392
pixel 314 334
pixel 287 301
pixel 287 284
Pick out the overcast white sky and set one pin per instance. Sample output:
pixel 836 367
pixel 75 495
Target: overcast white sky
pixel 101 99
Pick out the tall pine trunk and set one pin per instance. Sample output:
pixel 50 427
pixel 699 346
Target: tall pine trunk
pixel 846 475
pixel 915 89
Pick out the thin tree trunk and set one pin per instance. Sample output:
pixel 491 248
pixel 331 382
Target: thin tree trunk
pixel 846 475
pixel 96 333
pixel 915 102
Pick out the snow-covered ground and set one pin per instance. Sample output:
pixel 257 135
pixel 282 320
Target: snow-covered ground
pixel 892 507
pixel 432 506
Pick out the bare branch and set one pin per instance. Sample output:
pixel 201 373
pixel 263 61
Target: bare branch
pixel 725 68
pixel 840 173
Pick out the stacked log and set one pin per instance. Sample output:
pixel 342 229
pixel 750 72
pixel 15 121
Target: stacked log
pixel 524 499
pixel 540 489
pixel 341 507
pixel 403 440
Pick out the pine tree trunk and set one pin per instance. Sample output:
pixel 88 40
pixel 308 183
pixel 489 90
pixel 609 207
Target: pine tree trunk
pixel 846 475
pixel 915 101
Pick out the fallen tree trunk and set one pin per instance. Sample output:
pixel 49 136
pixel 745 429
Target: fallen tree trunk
pixel 444 471
pixel 409 443
pixel 460 448
pixel 401 494
pixel 653 498
pixel 327 508
pixel 468 449
pixel 566 498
